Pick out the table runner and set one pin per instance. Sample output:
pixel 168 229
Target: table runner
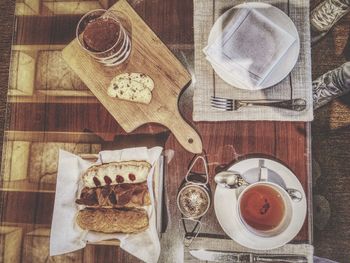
pixel 297 84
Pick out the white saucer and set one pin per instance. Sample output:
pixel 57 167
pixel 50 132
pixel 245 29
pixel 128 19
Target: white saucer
pixel 288 60
pixel 225 202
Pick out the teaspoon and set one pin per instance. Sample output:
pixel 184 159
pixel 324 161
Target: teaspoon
pixel 232 180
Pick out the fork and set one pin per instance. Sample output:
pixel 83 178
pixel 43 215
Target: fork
pixel 233 105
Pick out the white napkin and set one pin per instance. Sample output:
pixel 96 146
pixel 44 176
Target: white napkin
pixel 249 46
pixel 66 235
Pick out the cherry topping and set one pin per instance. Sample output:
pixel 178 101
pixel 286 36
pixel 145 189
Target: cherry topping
pixel 108 180
pixel 96 181
pixel 119 179
pixel 132 177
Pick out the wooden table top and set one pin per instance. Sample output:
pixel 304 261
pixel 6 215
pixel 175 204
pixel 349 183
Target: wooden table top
pixel 49 108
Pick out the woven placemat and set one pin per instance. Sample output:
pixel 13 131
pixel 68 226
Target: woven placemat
pixel 297 84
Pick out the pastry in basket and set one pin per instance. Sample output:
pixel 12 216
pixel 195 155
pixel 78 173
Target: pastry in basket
pixel 116 173
pixel 121 195
pixel 113 220
pixel 113 195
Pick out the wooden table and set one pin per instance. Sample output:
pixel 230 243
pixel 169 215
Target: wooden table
pixel 42 113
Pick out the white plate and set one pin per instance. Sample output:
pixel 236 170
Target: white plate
pixel 225 202
pixel 288 60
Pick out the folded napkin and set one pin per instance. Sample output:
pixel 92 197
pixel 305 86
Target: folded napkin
pixel 249 46
pixel 207 83
pixel 66 236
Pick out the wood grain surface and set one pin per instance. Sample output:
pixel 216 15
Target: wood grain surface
pixel 151 57
pixel 235 141
pixel 171 21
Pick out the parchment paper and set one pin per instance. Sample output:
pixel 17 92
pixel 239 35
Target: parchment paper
pixel 67 236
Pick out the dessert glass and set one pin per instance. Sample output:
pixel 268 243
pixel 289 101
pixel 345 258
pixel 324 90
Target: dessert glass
pixel 114 54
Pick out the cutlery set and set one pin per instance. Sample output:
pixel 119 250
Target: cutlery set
pixel 243 257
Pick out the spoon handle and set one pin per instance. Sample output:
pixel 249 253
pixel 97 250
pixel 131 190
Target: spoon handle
pixel 293 104
pixel 294 194
pixel 229 179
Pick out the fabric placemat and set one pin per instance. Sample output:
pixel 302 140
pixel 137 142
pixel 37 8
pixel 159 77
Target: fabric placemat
pixel 297 84
pixel 229 245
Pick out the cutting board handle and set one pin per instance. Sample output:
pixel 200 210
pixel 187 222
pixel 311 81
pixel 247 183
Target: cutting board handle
pixel 184 133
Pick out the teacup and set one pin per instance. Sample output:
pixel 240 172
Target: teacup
pixel 264 208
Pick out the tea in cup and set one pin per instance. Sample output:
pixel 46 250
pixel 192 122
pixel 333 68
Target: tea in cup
pixel 265 208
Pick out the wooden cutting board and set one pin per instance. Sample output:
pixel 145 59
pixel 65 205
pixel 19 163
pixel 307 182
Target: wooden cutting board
pixel 150 56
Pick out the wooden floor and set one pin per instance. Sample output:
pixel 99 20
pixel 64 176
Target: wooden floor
pixel 330 130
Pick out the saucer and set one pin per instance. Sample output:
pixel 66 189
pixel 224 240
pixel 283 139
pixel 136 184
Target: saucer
pixel 225 202
pixel 286 63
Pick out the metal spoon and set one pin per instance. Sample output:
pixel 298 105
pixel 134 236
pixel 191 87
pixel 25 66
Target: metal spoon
pixel 295 194
pixel 233 180
pixel 230 180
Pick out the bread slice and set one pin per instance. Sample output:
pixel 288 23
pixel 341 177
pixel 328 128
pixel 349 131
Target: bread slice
pixel 136 87
pixel 113 220
pixel 116 173
pixel 130 90
pixel 144 79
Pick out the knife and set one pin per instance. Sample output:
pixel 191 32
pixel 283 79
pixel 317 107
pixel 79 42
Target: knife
pixel 245 257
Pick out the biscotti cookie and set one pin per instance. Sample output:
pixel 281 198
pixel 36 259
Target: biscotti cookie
pixel 135 87
pixel 129 90
pixel 144 79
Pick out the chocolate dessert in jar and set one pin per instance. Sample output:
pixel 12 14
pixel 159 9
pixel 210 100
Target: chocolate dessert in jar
pixel 101 33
